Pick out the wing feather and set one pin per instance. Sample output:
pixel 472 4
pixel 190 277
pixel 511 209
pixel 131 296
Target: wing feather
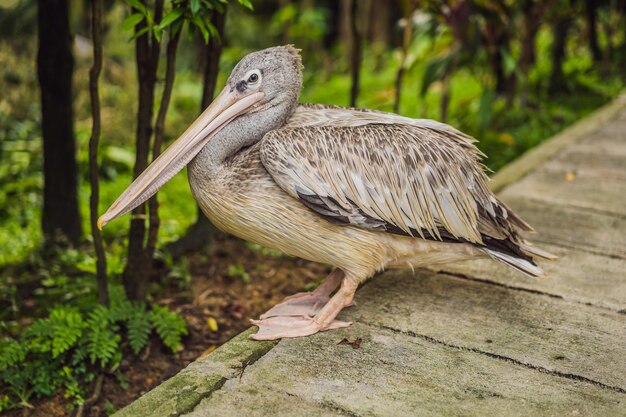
pixel 387 172
pixel 416 178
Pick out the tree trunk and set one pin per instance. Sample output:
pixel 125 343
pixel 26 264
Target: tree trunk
pixel 202 232
pixel 94 94
pixel 379 31
pixel 344 22
pixel 138 265
pixel 621 6
pixel 55 65
pixel 559 30
pixel 591 7
pixel 159 132
pixel 532 12
pixel 212 53
pixel 407 35
pixel 355 54
pixel 498 40
pixel 445 98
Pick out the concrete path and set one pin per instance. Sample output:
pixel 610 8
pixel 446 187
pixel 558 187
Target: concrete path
pixel 473 339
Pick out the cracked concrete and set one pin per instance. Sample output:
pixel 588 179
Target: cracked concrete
pixel 182 393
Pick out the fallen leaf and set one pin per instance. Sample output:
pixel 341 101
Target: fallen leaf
pixel 207 351
pixel 355 344
pixel 212 324
pixel 506 138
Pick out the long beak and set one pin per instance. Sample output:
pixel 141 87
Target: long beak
pixel 227 106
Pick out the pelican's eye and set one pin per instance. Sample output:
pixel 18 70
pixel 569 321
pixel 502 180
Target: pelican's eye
pixel 253 78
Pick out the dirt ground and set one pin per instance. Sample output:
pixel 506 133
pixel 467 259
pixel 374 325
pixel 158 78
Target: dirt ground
pixel 229 285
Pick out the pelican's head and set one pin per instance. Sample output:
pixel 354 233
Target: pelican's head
pixel 259 82
pixel 275 72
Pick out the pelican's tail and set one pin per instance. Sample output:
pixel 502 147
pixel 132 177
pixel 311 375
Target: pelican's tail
pixel 536 252
pixel 525 266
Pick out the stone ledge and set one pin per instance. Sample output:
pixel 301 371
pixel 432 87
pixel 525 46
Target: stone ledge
pixel 526 163
pixel 181 393
pixel 200 380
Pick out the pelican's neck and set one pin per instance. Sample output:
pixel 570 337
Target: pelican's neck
pixel 244 131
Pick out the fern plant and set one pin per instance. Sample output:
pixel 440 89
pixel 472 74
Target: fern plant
pixel 137 321
pixel 66 349
pixel 169 326
pixel 102 339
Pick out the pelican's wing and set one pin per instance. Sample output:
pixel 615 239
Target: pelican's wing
pixel 386 172
pixel 338 116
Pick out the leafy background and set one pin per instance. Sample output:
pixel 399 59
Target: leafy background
pixel 56 340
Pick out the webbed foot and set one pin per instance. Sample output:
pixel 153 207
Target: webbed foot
pixel 285 326
pixel 273 326
pixel 307 304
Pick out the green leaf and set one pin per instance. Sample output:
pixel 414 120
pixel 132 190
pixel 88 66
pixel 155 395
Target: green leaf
pixel 199 23
pixel 140 33
pixel 172 16
pixel 120 155
pixel 102 339
pixel 139 329
pixel 137 5
pixel 131 21
pixel 195 7
pixel 218 7
pixel 177 26
pixel 137 320
pixel 157 33
pixel 212 30
pixel 149 18
pixel 67 324
pixel 124 310
pixel 11 353
pixel 485 108
pixel 509 63
pixel 169 326
pixel 4 403
pixel 247 4
pixel 435 70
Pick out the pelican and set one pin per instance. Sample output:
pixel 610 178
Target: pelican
pixel 360 190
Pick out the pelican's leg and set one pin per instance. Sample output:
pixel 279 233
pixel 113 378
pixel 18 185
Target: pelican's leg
pixel 295 326
pixel 307 304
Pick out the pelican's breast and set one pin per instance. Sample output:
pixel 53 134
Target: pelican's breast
pixel 242 199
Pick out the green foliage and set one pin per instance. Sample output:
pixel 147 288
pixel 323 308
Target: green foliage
pixel 102 339
pixel 137 320
pixel 139 329
pixel 66 349
pixel 178 274
pixel 20 182
pixel 4 402
pixel 12 353
pixel 238 271
pixel 63 327
pixel 265 251
pixel 169 326
pixel 435 70
pixel 109 408
pixel 197 13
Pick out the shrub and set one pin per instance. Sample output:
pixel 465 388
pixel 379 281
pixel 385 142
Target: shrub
pixel 69 347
